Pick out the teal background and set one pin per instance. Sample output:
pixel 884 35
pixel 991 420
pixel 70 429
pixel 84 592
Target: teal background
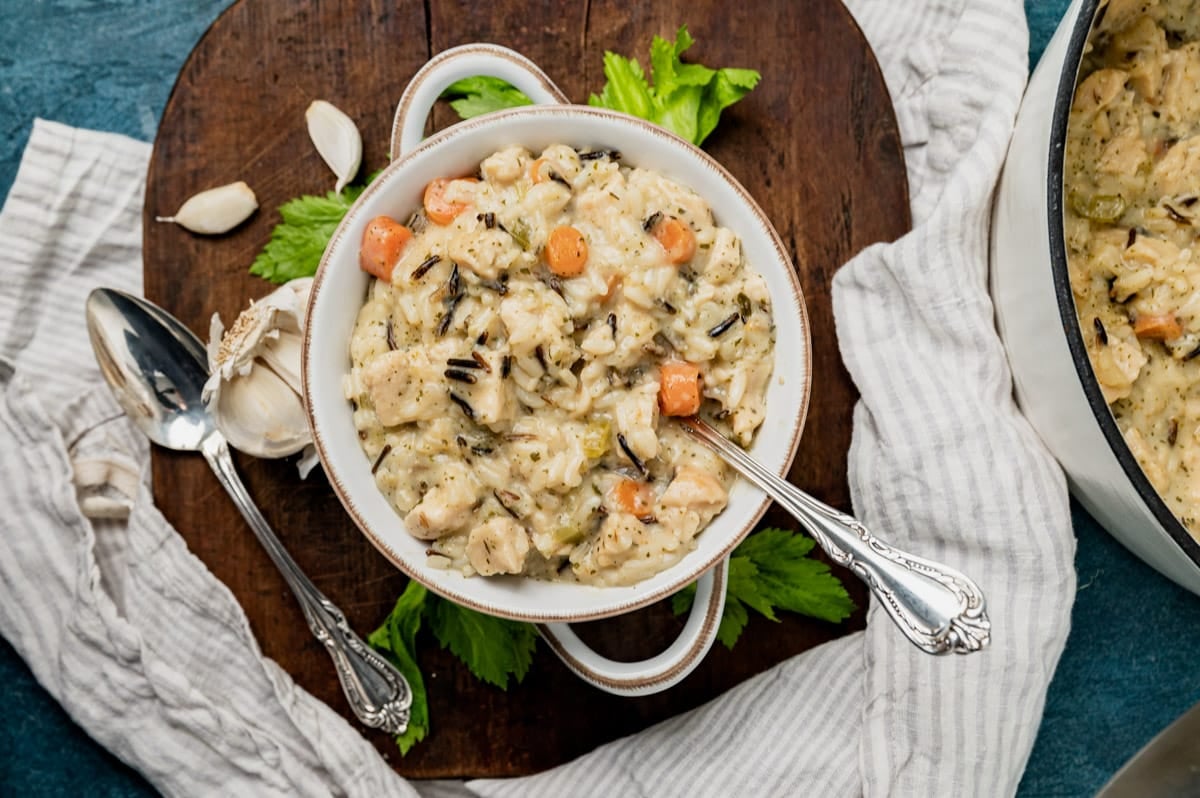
pixel 1128 669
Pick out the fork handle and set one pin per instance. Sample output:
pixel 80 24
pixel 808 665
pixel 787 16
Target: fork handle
pixel 938 608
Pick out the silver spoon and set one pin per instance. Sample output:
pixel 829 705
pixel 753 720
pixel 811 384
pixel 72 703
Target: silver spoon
pixel 937 608
pixel 156 368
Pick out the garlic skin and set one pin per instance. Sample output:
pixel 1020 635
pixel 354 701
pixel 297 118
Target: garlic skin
pixel 337 140
pixel 216 210
pixel 253 390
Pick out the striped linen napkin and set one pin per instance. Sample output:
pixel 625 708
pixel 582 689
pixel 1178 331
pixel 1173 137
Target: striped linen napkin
pixel 153 656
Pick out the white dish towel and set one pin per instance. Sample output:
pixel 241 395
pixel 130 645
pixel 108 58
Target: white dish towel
pixel 152 655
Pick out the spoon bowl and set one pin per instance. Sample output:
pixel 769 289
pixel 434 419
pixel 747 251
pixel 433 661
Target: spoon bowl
pixel 156 368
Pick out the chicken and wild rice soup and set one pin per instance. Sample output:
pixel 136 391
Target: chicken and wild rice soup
pixel 528 332
pixel 1132 184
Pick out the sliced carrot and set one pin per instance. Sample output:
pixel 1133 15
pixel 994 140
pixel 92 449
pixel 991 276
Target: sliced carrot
pixel 633 497
pixel 439 209
pixel 679 389
pixel 536 175
pixel 382 244
pixel 676 238
pixel 1159 328
pixel 566 251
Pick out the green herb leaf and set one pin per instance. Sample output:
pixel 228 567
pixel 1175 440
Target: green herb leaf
pixel 678 87
pixel 396 639
pixel 481 94
pixel 771 570
pixel 492 648
pixel 727 87
pixel 740 592
pixel 626 90
pixel 685 98
pixel 793 581
pixel 733 620
pixel 299 240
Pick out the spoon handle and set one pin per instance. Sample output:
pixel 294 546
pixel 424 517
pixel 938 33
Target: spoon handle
pixel 937 608
pixel 379 694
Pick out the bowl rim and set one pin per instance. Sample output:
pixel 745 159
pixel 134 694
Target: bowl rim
pixel 797 424
pixel 1056 172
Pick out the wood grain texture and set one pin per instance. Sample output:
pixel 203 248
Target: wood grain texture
pixel 816 143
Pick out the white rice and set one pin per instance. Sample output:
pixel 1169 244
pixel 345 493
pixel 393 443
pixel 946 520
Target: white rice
pixel 572 372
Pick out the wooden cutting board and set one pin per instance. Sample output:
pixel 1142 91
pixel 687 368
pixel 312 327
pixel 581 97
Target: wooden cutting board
pixel 816 143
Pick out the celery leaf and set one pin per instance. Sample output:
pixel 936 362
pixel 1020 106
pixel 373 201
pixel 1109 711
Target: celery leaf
pixel 482 94
pixel 396 639
pixel 298 242
pixel 492 648
pixel 687 99
pixel 770 571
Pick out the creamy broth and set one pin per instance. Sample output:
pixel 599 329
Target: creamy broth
pixel 510 393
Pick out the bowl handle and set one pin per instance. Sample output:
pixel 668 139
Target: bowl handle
pixel 464 61
pixel 661 671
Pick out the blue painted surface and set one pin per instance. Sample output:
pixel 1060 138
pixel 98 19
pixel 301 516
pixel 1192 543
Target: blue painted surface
pixel 1128 668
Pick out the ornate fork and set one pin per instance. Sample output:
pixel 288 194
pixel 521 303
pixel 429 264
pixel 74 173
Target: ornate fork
pixel 938 609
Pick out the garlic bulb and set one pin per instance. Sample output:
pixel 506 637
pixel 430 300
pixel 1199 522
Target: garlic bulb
pixel 217 210
pixel 336 138
pixel 253 389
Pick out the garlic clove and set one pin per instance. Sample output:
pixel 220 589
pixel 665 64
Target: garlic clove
pixel 217 210
pixel 283 354
pixel 280 311
pixel 254 390
pixel 261 415
pixel 308 460
pixel 336 138
pixel 216 333
pixel 297 304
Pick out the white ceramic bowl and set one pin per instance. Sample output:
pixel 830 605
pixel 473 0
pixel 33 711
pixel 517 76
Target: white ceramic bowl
pixel 1035 312
pixel 340 288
